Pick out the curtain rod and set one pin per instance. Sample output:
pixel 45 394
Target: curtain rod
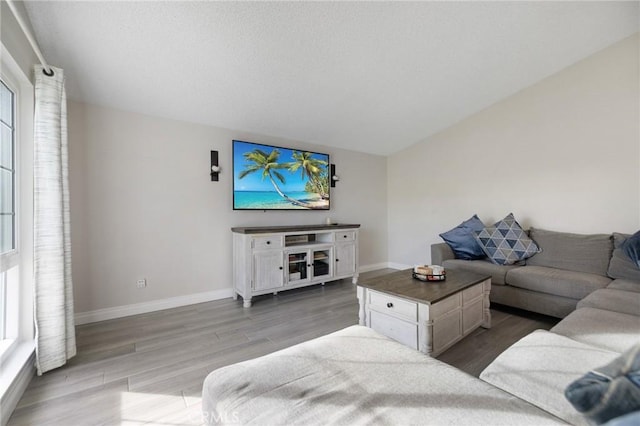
pixel 32 40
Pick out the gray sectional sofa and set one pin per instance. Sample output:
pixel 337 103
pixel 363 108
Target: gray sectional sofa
pixel 356 376
pixel 552 282
pixel 539 367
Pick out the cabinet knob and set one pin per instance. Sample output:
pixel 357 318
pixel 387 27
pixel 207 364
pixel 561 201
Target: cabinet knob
pixel 280 268
pixel 308 266
pixel 344 236
pixel 337 260
pixel 268 242
pixel 389 305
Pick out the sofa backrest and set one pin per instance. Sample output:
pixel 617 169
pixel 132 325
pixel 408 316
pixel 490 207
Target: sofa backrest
pixel 621 266
pixel 573 252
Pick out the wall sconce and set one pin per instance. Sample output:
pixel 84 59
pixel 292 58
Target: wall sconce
pixel 215 167
pixel 334 176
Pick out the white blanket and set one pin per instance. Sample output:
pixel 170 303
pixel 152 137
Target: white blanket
pixel 540 366
pixel 356 377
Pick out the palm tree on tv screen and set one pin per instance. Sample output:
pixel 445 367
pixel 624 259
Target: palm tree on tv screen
pixel 269 165
pixel 311 168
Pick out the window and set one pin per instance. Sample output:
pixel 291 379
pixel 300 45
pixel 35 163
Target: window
pixel 8 228
pixel 16 223
pixel 16 216
pixel 7 169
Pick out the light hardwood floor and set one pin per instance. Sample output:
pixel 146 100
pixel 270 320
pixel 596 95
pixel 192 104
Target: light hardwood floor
pixel 149 369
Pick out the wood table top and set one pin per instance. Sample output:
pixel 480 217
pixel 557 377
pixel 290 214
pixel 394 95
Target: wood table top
pixel 402 284
pixel 291 228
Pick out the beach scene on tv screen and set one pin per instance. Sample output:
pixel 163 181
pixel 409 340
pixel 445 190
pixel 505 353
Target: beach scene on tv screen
pixel 268 177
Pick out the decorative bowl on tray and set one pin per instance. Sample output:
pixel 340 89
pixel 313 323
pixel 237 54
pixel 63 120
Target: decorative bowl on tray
pixel 431 277
pixel 429 273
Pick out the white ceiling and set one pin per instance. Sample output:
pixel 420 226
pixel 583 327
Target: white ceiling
pixel 368 76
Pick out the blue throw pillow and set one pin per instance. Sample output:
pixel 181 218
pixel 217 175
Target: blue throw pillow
pixel 462 241
pixel 506 243
pixel 610 391
pixel 631 247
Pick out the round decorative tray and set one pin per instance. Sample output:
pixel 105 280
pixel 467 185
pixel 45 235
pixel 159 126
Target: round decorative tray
pixel 422 277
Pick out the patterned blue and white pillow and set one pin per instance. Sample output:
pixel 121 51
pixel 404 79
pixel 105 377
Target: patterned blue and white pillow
pixel 506 243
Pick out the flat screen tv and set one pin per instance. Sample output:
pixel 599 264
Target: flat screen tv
pixel 267 177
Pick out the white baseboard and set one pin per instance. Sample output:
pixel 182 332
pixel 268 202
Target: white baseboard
pixel 154 305
pixel 400 266
pixel 373 267
pixel 175 302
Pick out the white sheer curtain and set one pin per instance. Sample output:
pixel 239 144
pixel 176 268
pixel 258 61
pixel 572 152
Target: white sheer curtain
pixel 55 333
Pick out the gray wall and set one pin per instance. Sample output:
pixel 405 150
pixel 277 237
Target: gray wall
pixel 563 154
pixel 143 206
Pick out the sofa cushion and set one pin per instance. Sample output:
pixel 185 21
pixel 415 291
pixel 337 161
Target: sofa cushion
pixel 605 329
pixel 609 391
pixel 497 272
pixel 621 266
pixel 626 302
pixel 534 301
pixel 540 366
pixel 462 241
pixel 506 243
pixel 357 377
pixel 559 282
pixel 573 252
pixel 626 285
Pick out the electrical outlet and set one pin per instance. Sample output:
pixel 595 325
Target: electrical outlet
pixel 141 283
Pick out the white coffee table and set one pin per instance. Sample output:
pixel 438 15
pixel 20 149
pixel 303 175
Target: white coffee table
pixel 426 316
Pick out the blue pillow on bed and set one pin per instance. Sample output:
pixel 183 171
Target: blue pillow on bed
pixel 631 247
pixel 462 241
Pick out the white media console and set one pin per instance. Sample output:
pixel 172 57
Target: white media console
pixel 269 259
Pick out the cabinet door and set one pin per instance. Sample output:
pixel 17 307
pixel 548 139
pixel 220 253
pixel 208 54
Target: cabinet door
pixel 298 266
pixel 268 270
pixel 322 260
pixel 345 259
